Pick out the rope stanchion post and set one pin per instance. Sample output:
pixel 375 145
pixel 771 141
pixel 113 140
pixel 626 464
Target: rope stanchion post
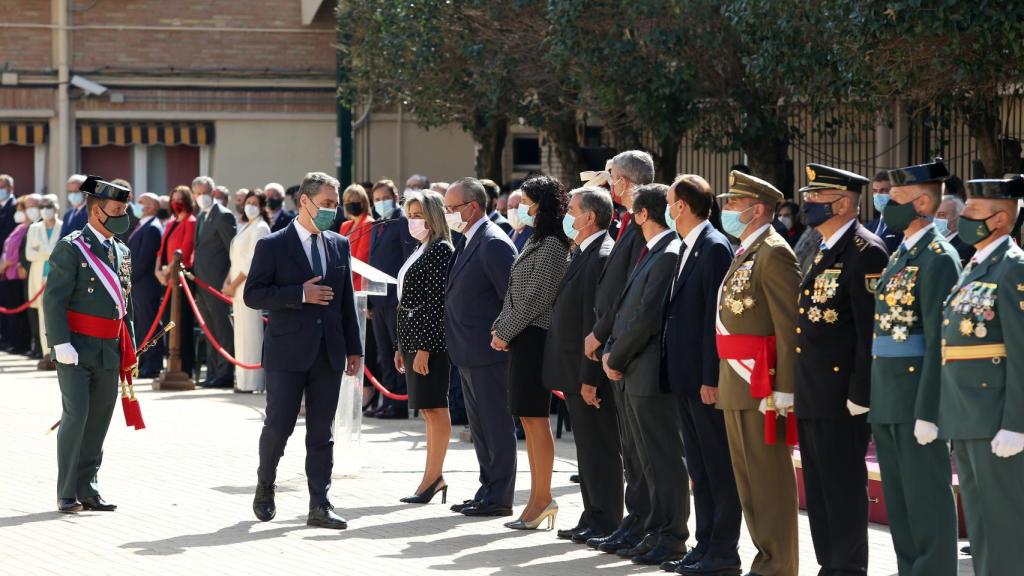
pixel 173 378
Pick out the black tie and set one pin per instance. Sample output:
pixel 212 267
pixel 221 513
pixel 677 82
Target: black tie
pixel 459 246
pixel 679 267
pixel 314 251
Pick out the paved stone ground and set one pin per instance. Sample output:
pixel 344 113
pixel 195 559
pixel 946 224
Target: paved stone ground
pixel 184 486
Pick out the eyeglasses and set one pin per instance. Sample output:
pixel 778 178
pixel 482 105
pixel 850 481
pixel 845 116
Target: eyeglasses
pixel 452 209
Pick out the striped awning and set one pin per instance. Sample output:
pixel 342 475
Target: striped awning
pixel 23 133
pixel 130 133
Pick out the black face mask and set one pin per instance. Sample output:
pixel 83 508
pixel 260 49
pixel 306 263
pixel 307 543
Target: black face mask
pixel 274 203
pixel 354 208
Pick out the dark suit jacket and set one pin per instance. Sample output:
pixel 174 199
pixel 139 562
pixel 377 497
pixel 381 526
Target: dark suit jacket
pixel 390 246
pixel 964 249
pixel 144 244
pixel 609 285
pixel 565 366
pixel 689 352
pixel 214 231
pixel 834 326
pixel 74 219
pixel 476 288
pixel 891 238
pixel 7 224
pixel 284 218
pixel 524 235
pixel 501 221
pixel 279 268
pixel 634 345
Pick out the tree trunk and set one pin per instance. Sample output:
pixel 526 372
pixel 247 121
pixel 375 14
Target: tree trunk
pixel 767 160
pixel 489 134
pixel 998 155
pixel 562 131
pixel 666 162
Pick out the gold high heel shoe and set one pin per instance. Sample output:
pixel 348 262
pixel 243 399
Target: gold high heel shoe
pixel 549 514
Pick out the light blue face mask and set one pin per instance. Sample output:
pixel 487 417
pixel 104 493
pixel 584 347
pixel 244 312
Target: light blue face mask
pixel 880 200
pixel 731 222
pixel 941 226
pixel 4 194
pixel 385 208
pixel 567 223
pixel 137 209
pixel 669 219
pixel 524 214
pixel 75 198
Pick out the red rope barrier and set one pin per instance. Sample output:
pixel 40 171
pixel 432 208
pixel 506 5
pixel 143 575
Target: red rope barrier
pixel 218 294
pixel 380 387
pixel 160 312
pixel 209 336
pixel 23 307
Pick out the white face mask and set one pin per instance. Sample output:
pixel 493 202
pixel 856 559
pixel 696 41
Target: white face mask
pixel 513 219
pixel 19 217
pixel 787 222
pixel 49 213
pixel 33 214
pixel 252 211
pixel 455 222
pixel 204 201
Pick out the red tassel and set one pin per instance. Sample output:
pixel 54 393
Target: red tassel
pixel 138 422
pixel 126 407
pixel 770 431
pixel 791 436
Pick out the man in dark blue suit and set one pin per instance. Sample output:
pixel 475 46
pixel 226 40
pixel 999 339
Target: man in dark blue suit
pixel 77 216
pixel 278 214
pixel 690 365
pixel 880 186
pixel 303 276
pixel 390 246
pixel 477 282
pixel 144 243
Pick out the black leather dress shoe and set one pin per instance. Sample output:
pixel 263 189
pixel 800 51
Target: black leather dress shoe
pixel 694 555
pixel 568 533
pixel 323 516
pixel 645 546
pixel 655 556
pixel 586 535
pixel 465 504
pixel 671 565
pixel 575 478
pixel 711 566
pixel 263 504
pixel 487 510
pixel 98 504
pixel 221 382
pixel 392 413
pixel 596 542
pixel 68 505
pixel 624 542
pixel 371 412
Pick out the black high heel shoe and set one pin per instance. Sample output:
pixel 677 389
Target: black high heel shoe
pixel 427 495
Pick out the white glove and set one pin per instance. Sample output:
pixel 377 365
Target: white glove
pixel 66 354
pixel 783 402
pixel 856 409
pixel 925 432
pixel 1007 443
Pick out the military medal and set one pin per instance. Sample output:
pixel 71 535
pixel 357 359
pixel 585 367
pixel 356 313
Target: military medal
pixel 966 327
pixel 980 330
pixel 831 316
pixel 899 333
pixel 814 314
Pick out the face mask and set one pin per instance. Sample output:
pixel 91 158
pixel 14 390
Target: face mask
pixel 787 222
pixel 455 222
pixel 4 194
pixel 418 229
pixel 75 198
pixel 973 231
pixel 116 224
pixel 731 222
pixel 324 217
pixel 163 214
pixel 513 219
pixel 274 203
pixel 408 191
pixel 177 207
pixel 33 214
pixel 567 221
pixel 817 213
pixel 880 200
pixel 204 202
pixel 899 216
pixel 252 211
pixel 354 208
pixel 49 213
pixel 19 217
pixel 941 226
pixel 669 220
pixel 137 210
pixel 385 208
pixel 523 212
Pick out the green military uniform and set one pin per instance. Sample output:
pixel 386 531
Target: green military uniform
pixel 906 358
pixel 757 299
pixel 88 389
pixel 983 391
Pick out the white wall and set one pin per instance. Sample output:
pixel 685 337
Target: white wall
pixel 250 153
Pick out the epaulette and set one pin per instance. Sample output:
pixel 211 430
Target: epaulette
pixel 71 237
pixel 860 243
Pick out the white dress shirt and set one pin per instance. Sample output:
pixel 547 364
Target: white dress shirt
pixel 472 230
pixel 307 245
pixel 834 238
pixel 591 239
pixel 912 241
pixel 689 241
pixel 408 264
pixel 745 244
pixel 980 255
pixel 654 241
